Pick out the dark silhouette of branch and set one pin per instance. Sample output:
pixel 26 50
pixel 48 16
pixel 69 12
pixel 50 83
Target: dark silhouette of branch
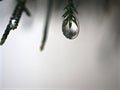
pixel 49 10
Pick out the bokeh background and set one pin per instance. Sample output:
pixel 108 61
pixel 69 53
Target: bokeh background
pixel 90 62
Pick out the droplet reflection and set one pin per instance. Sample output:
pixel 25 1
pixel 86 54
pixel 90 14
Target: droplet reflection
pixel 70 29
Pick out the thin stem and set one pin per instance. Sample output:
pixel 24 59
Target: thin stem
pixel 5 35
pixel 49 10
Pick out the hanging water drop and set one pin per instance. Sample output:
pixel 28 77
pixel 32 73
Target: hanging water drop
pixel 70 26
pixel 70 29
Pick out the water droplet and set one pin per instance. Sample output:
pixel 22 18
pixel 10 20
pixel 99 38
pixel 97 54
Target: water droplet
pixel 70 29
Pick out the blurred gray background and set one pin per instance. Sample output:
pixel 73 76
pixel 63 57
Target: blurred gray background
pixel 90 62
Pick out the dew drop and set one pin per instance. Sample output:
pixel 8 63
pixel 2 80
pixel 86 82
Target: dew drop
pixel 70 29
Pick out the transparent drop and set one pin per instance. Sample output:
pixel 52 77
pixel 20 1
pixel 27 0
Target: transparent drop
pixel 70 29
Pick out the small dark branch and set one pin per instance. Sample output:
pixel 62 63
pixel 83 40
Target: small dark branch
pixel 49 10
pixel 70 12
pixel 5 35
pixel 27 11
pixel 70 9
pixel 14 20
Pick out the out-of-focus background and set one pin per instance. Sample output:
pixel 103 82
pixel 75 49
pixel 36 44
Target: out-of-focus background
pixel 90 62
